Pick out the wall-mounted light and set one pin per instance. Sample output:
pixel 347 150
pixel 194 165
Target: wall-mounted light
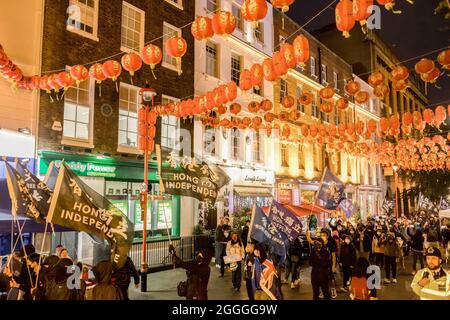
pixel 24 130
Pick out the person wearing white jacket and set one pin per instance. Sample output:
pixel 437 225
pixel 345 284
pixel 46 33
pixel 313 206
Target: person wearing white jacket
pixel 235 254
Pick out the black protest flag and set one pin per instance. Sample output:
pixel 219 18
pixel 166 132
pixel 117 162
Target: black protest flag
pixel 76 206
pixel 22 199
pixel 51 176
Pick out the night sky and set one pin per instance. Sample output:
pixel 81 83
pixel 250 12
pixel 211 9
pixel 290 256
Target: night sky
pixel 414 32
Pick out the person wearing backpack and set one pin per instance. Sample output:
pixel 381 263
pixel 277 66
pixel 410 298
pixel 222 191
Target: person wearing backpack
pixel 359 289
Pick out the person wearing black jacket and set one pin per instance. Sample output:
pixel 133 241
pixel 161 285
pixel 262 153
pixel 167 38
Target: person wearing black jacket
pixel 123 277
pixel 223 235
pixel 105 289
pixel 320 261
pixel 59 290
pixel 295 253
pixel 417 240
pixel 198 272
pixel 249 267
pixel 244 233
pixel 348 260
pixel 37 276
pixel 24 281
pixel 363 241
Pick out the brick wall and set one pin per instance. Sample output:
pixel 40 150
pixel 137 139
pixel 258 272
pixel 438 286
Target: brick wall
pixel 63 48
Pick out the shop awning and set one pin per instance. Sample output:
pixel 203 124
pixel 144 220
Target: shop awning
pixel 253 192
pixel 306 209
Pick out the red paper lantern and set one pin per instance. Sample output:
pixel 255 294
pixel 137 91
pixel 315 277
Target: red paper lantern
pixel 176 47
pixel 440 115
pixel 64 80
pixel 384 124
pixel 287 51
pixel 444 59
pixel 306 98
pixel 372 126
pixel 231 91
pixel 376 79
pixel 245 80
pixel 223 23
pixel 283 5
pixel 428 115
pixel 407 118
pixel 361 10
pixel 400 85
pixel 269 117
pixel 257 73
pixel 79 73
pixel 342 103
pixel 294 115
pixel 359 127
pixel 219 95
pixel 381 91
pixel 400 73
pixel 254 10
pixel 424 66
pixel 202 29
pixel 301 49
pixel 253 107
pixel 327 107
pixel 43 84
pixel 96 73
pixel 313 130
pixel 288 102
pixel 283 116
pixel 266 105
pixel 362 97
pixel 131 62
pixel 344 17
pixel 304 130
pixel 352 87
pixel 395 122
pixel 327 93
pixel 388 4
pixel 53 82
pixel 34 82
pixel 269 70
pixel 151 55
pixel 279 64
pixel 341 129
pixel 432 76
pixel 112 69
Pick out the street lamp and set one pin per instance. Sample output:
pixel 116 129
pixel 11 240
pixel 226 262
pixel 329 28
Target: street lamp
pixel 395 168
pixel 147 101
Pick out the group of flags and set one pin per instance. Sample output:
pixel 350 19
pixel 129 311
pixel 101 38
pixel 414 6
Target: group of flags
pixel 64 199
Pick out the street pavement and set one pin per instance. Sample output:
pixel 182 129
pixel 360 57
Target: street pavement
pixel 163 286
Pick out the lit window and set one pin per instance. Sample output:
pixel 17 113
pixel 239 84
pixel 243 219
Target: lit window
pixel 209 139
pixel 259 32
pixel 133 21
pixel 83 17
pixel 313 66
pixel 78 105
pixel 236 10
pixel 284 156
pixel 212 6
pixel 128 115
pixel 314 108
pixel 169 31
pixel 298 94
pixel 211 59
pixel 256 147
pixel 169 127
pixel 235 68
pixel 324 74
pixel 236 135
pixel 283 89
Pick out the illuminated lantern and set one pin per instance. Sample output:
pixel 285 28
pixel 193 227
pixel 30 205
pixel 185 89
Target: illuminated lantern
pixel 304 130
pixel 341 129
pixel 428 115
pixel 279 64
pixel 439 116
pixel 225 123
pixel 53 83
pixel 327 107
pixel 176 47
pixel 362 97
pixel 112 70
pixel 79 73
pixel 294 115
pixel 361 10
pixel 269 70
pixel 395 122
pixel 253 107
pixel 223 23
pixel 269 117
pixel 96 73
pixel 131 62
pixel 444 59
pixel 254 10
pixel 301 50
pixel 342 103
pixel 400 73
pixel 43 84
pixel 151 55
pixel 400 85
pixel 197 108
pixel 360 127
pixel 287 51
pixel 266 105
pixel 219 95
pixel 381 91
pixel 384 124
pixel 327 93
pixel 344 17
pixel 235 108
pixel 288 102
pixel 257 121
pixel 432 76
pixel 352 87
pixel 424 66
pixel 332 130
pixel 283 116
pixel 231 91
pixel 376 79
pixel 350 129
pixel 268 130
pixel 372 126
pixel 407 118
pixel 406 130
pixel 283 5
pixel 245 80
pixel 221 110
pixel 246 121
pixel 306 98
pixel 313 130
pixel 389 5
pixel 64 80
pixel 257 75
pixel 202 29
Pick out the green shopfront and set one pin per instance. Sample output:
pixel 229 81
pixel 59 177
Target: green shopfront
pixel 120 182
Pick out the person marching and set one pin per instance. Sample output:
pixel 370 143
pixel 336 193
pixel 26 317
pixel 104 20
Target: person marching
pixel 432 282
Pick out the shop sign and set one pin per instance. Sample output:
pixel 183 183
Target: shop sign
pixel 90 169
pixel 284 196
pixel 248 177
pixel 286 185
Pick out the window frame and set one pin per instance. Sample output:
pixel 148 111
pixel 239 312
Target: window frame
pixel 94 35
pixel 239 17
pixel 166 64
pixel 176 4
pixel 178 124
pixel 312 66
pixel 336 80
pixel 236 144
pixel 284 154
pixel 324 73
pixel 77 142
pixel 205 131
pixel 285 92
pixel 259 30
pixel 142 31
pixel 216 62
pixel 256 147
pixel 125 148
pixel 217 3
pixel 241 62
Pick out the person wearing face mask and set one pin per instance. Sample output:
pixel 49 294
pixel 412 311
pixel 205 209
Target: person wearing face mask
pixel 235 251
pixel 320 262
pixel 391 255
pixel 432 282
pixel 417 241
pixel 378 244
pixel 197 271
pixel 363 242
pixel 348 260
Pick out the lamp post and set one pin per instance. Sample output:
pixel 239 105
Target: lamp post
pixel 395 168
pixel 147 96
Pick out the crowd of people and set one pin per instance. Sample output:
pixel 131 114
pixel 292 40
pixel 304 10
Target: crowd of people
pixel 29 276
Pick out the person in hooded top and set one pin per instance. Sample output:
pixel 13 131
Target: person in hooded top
pixel 123 277
pixel 60 289
pixel 105 289
pixel 50 275
pixel 198 272
pixel 23 281
pixel 38 277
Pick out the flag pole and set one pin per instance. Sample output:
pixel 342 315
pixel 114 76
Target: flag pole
pixel 252 220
